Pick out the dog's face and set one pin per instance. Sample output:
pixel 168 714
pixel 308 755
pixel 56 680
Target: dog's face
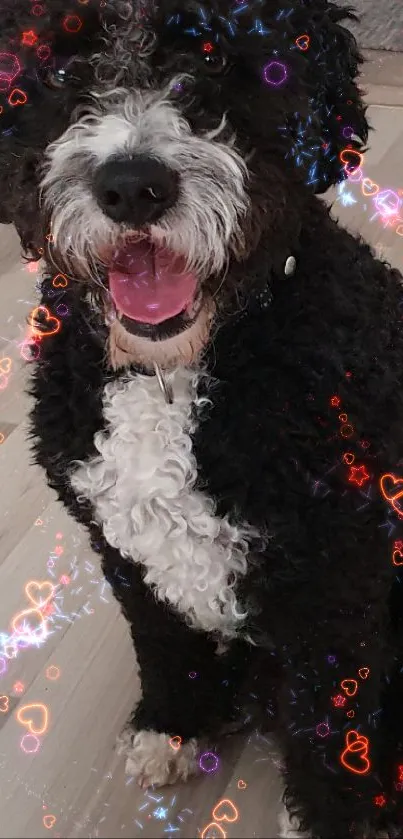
pixel 160 145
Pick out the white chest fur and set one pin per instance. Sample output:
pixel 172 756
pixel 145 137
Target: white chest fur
pixel 142 487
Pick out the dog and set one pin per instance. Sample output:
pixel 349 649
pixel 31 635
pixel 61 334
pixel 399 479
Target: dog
pixel 218 393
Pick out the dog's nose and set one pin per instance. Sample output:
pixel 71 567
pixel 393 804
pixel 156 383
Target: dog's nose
pixel 135 190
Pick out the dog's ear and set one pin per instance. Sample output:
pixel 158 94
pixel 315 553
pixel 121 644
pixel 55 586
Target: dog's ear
pixel 333 66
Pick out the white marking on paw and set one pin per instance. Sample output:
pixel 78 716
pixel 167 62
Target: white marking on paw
pixel 153 761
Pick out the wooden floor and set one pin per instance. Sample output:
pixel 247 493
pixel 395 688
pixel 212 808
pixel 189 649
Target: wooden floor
pixel 63 703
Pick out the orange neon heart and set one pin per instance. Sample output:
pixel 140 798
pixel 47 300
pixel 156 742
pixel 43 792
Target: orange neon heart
pixel 242 784
pixel 369 188
pixel 39 593
pixel 21 626
pixel 347 156
pixel 350 714
pixel 397 557
pixel 5 365
pixel 349 458
pixel 303 42
pixel 216 834
pixel 4 704
pixel 392 491
pixel 17 97
pixel 34 717
pixel 49 821
pixel 50 326
pixel 60 281
pixel 350 686
pixel 175 742
pixel 225 811
pixel 356 744
pixel 363 672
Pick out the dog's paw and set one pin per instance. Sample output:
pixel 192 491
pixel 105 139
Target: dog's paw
pixel 289 827
pixel 155 760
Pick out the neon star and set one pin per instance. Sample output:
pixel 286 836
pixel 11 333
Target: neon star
pixel 339 700
pixel 380 800
pixel 358 475
pixel 29 38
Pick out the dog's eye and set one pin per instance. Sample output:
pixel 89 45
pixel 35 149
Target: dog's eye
pixel 55 78
pixel 59 74
pixel 214 62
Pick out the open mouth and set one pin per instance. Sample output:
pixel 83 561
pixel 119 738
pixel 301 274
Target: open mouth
pixel 153 293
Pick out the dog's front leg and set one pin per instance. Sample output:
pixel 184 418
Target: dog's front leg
pixel 187 688
pixel 330 716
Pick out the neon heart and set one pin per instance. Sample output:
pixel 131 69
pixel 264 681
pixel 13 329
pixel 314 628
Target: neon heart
pixel 225 811
pixel 356 744
pixel 4 704
pixel 175 742
pixel 349 686
pixel 397 557
pixel 60 281
pixel 369 188
pixel 216 834
pixel 44 591
pixel 51 325
pixel 350 714
pixel 17 97
pixel 352 160
pixel 21 626
pixel 349 458
pixel 49 821
pixel 34 717
pixel 303 42
pixel 363 672
pixel 242 784
pixel 5 366
pixel 392 491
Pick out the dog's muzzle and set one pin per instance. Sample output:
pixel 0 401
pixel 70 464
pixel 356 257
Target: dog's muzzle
pixel 153 294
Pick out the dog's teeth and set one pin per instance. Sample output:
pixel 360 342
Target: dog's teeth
pixel 110 315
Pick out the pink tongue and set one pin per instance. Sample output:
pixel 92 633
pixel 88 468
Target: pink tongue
pixel 149 284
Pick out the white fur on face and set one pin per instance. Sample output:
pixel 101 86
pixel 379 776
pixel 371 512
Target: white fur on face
pixel 205 223
pixel 142 487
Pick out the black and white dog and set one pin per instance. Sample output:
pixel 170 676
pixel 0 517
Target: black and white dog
pixel 218 395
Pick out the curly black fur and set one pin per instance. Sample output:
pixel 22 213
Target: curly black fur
pixel 323 594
